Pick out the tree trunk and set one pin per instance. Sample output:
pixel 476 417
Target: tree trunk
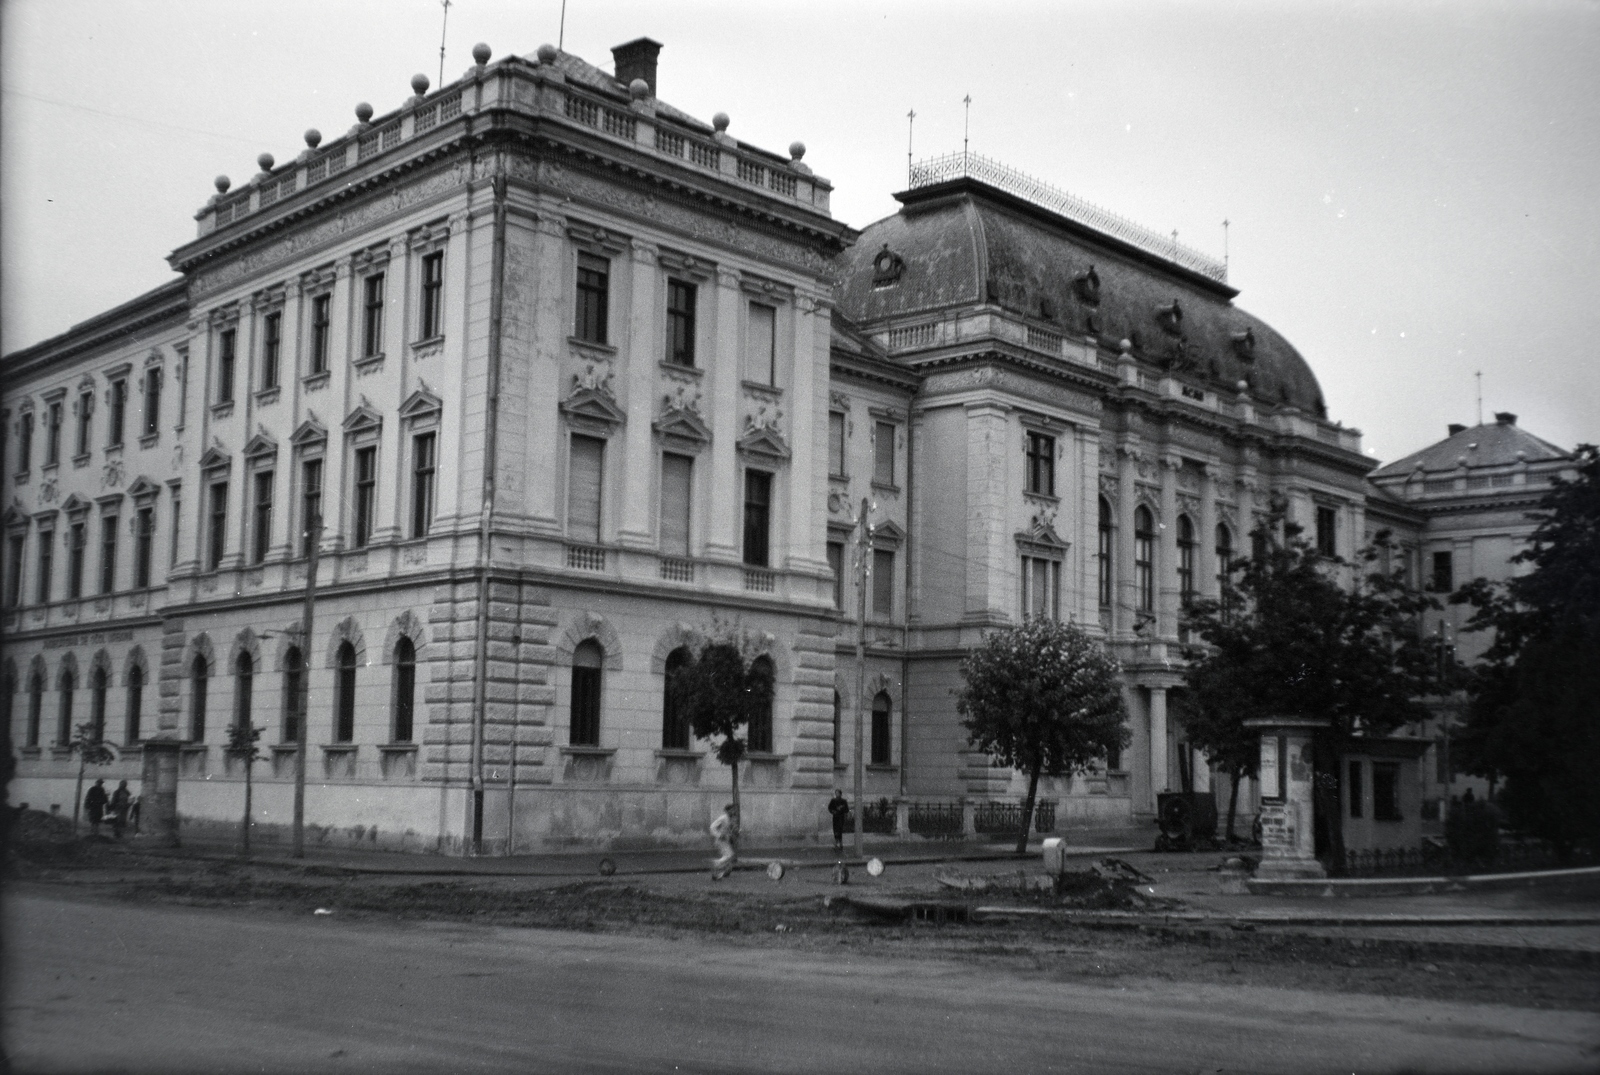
pixel 77 797
pixel 1027 808
pixel 244 828
pixel 737 821
pixel 1325 799
pixel 1234 777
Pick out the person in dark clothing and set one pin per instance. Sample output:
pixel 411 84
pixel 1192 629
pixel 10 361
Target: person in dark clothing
pixel 95 804
pixel 839 807
pixel 121 799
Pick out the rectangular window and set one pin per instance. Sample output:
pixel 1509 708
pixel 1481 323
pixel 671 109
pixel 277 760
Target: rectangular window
pixel 882 722
pixel 108 553
pixel 432 296
pixel 310 502
pixel 883 453
pixel 271 349
pixel 1041 588
pixel 1444 578
pixel 177 519
pixel 85 411
pixel 119 409
pixel 366 496
pixel 225 363
pixel 757 516
pixel 1103 555
pixel 321 327
pixel 372 316
pixel 15 546
pixel 883 584
pixel 594 295
pixel 585 729
pixel 143 544
pixel 261 525
pixel 1327 531
pixel 152 401
pixel 1355 791
pixel 836 562
pixel 422 471
pixel 1385 791
pixel 680 323
pixel 583 488
pixel 52 435
pixel 836 429
pixel 677 473
pixel 77 539
pixel 47 547
pixel 217 531
pixel 760 365
pixel 25 443
pixel 1041 464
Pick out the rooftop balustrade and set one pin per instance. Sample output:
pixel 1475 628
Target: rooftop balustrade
pixel 530 88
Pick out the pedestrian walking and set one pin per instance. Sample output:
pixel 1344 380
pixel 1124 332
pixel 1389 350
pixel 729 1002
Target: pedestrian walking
pixel 121 800
pixel 95 804
pixel 839 807
pixel 722 832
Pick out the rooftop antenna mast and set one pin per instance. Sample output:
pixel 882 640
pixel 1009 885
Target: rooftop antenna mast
pixel 561 37
pixel 966 125
pixel 1479 376
pixel 1224 247
pixel 444 26
pixel 911 119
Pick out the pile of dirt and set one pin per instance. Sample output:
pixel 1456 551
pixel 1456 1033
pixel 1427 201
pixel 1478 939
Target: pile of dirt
pixel 1095 889
pixel 46 839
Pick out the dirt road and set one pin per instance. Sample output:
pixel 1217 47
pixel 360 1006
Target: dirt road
pixel 103 985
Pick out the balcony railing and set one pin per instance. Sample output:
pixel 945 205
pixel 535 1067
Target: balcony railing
pixel 975 166
pixel 760 580
pixel 674 569
pixel 586 558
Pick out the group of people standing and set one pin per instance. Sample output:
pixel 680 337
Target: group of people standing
pixel 117 806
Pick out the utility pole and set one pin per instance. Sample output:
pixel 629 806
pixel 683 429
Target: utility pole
pixel 443 29
pixel 911 121
pixel 314 548
pixel 863 573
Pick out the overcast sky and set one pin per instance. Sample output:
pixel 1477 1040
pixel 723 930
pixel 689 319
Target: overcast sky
pixel 1414 190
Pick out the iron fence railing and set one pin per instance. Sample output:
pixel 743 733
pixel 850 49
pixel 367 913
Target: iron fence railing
pixel 878 817
pixel 935 819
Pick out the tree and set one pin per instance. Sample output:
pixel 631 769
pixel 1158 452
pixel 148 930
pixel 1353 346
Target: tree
pixel 91 749
pixel 1299 633
pixel 1043 697
pixel 1208 711
pixel 1533 713
pixel 719 691
pixel 243 744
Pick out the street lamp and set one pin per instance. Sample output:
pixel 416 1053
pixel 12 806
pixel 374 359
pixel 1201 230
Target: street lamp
pixel 864 531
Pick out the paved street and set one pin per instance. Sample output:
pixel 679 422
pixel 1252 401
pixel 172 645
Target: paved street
pixel 96 986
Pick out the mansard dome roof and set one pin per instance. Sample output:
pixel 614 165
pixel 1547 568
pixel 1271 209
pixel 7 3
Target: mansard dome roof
pixel 962 242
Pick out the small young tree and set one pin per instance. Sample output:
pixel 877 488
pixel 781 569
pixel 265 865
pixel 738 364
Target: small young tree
pixel 91 749
pixel 1042 698
pixel 1299 633
pixel 719 691
pixel 243 743
pixel 1533 713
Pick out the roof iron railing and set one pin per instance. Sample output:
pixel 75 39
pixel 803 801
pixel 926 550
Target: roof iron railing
pixel 1012 181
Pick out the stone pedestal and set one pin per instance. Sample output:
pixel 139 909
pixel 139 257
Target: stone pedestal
pixel 1288 834
pixel 158 798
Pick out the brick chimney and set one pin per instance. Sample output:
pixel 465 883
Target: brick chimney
pixel 637 59
pixel 1456 427
pixel 1505 418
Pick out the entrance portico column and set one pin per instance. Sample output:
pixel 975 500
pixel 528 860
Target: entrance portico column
pixel 1158 745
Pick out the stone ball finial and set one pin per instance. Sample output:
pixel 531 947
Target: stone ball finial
pixel 547 53
pixel 419 84
pixel 265 162
pixel 797 150
pixel 1243 386
pixel 313 137
pixel 720 121
pixel 1125 346
pixel 222 183
pixel 639 89
pixel 363 112
pixel 481 53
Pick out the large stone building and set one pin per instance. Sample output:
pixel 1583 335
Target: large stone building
pixel 573 379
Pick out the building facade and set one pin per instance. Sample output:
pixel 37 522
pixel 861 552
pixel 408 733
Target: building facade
pixel 572 380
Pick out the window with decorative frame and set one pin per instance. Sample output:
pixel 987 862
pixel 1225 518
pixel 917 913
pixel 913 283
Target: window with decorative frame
pixel 1103 553
pixel 321 332
pixel 52 433
pixel 836 442
pixel 118 419
pixel 226 355
pixel 152 400
pixel 108 551
pixel 593 299
pixel 1041 464
pixel 1144 558
pixel 681 297
pixel 216 523
pixel 372 315
pixel 584 725
pixel 85 421
pixel 431 309
pixel 585 486
pixel 271 349
pixel 1186 559
pixel 77 553
pixel 882 729
pixel 761 345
